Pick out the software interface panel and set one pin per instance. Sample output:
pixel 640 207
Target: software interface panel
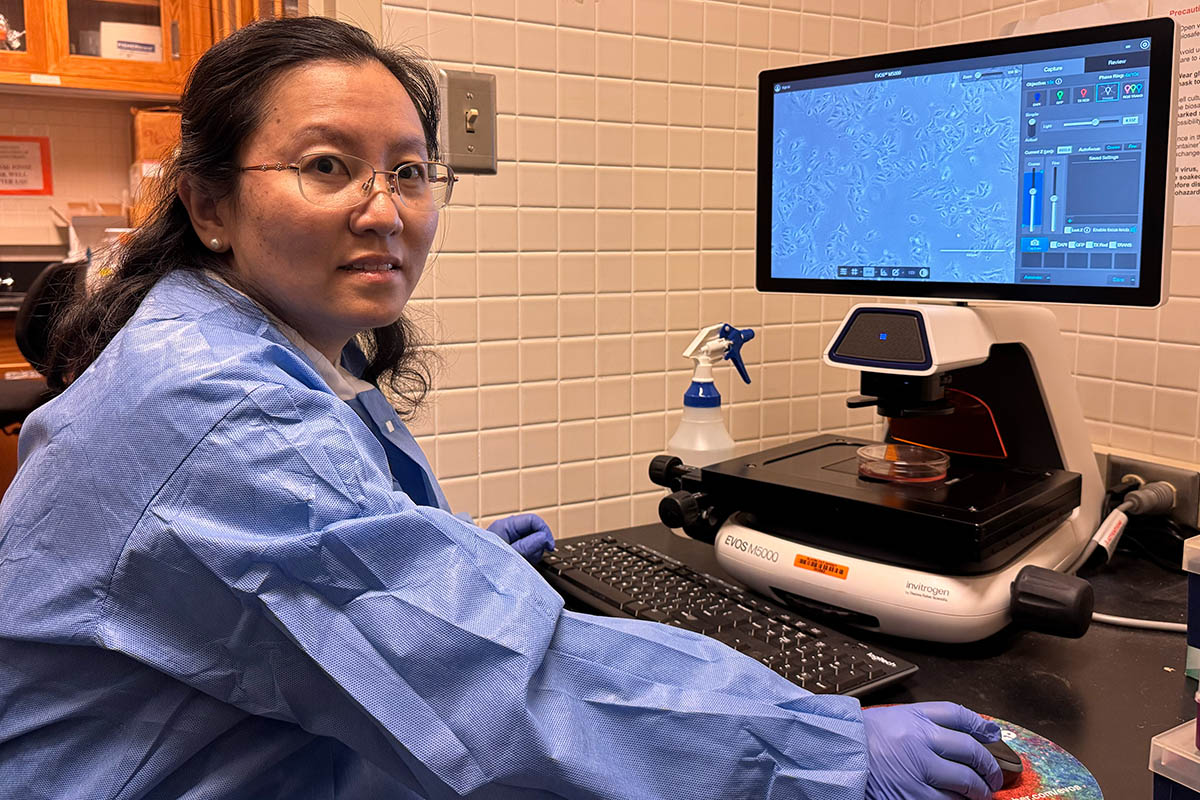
pixel 1019 169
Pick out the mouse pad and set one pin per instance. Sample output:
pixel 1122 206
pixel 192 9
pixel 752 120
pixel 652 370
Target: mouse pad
pixel 1049 772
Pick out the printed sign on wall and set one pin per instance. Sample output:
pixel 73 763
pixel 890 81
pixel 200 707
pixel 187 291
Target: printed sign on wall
pixel 25 165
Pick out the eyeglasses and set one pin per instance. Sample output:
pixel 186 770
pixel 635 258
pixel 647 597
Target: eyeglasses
pixel 334 180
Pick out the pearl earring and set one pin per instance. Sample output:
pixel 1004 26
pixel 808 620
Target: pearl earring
pixel 214 243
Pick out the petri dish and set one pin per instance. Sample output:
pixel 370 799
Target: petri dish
pixel 902 463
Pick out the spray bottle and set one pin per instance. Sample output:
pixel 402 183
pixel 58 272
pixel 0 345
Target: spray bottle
pixel 701 438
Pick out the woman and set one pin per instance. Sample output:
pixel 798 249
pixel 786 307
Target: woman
pixel 225 571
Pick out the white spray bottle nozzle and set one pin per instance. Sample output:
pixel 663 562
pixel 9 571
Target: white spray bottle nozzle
pixel 706 345
pixel 715 343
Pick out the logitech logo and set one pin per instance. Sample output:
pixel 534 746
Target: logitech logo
pixel 880 659
pixel 927 591
pixel 758 551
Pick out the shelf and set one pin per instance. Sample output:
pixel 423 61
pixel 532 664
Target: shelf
pixel 114 88
pixel 151 3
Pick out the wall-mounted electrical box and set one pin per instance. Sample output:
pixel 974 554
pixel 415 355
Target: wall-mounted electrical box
pixel 468 126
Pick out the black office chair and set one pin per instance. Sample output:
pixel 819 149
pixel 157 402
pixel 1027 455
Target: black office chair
pixel 51 291
pixel 47 296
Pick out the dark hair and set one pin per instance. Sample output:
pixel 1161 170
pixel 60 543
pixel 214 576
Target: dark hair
pixel 222 105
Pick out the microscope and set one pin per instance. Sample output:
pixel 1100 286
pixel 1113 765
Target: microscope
pixel 934 551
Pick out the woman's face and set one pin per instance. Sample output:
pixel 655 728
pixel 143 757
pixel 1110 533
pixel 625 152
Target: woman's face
pixel 306 261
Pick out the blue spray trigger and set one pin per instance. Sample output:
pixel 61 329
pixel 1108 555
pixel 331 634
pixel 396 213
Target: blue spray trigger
pixel 736 338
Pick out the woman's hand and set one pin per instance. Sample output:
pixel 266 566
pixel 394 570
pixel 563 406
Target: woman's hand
pixel 930 751
pixel 528 534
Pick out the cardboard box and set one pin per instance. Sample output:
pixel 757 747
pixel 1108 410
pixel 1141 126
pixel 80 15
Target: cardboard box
pixel 144 178
pixel 155 133
pixel 130 42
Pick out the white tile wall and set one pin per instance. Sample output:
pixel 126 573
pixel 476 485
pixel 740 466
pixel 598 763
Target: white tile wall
pixel 90 153
pixel 621 221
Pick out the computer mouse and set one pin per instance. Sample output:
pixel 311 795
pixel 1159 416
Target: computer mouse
pixel 1009 761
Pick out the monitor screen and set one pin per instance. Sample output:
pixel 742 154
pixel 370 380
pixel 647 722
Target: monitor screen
pixel 1028 168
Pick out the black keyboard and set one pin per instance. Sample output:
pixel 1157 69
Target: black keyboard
pixel 623 579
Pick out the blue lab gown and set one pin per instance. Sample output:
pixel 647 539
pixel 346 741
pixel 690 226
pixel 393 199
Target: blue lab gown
pixel 210 588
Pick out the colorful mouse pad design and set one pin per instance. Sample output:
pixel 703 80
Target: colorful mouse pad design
pixel 1050 773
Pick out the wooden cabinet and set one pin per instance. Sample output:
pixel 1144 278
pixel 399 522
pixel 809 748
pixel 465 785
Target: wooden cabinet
pixel 28 37
pixel 148 45
pixel 64 41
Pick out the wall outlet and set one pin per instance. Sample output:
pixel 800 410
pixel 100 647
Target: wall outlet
pixel 1186 482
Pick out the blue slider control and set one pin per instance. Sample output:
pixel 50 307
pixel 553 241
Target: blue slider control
pixel 736 338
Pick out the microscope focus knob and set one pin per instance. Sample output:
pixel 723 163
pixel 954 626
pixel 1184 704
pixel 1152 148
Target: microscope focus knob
pixel 680 509
pixel 1051 602
pixel 665 470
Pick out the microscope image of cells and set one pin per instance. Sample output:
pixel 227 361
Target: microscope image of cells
pixel 903 172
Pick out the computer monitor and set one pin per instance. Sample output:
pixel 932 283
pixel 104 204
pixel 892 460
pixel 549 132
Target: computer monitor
pixel 1035 168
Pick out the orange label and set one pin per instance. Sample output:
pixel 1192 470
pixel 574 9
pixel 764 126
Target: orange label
pixel 823 567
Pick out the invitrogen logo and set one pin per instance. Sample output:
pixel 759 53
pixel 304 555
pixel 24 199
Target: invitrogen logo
pixel 926 591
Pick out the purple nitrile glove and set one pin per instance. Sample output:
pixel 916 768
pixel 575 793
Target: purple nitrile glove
pixel 528 534
pixel 930 751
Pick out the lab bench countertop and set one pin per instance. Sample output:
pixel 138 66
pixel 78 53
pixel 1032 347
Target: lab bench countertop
pixel 1101 697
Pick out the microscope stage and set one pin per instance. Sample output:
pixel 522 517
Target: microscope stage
pixel 980 517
